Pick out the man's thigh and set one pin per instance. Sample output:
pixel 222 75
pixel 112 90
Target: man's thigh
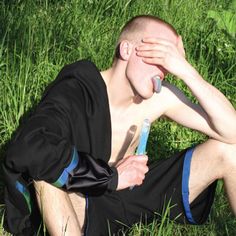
pixel 58 209
pixel 206 167
pixel 79 204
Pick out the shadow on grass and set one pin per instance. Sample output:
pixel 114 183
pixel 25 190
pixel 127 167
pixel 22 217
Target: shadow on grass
pixel 222 215
pixel 225 226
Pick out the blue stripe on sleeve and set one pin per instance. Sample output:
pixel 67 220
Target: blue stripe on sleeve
pixel 24 191
pixel 65 174
pixel 185 185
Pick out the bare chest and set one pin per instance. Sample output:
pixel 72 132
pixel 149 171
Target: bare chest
pixel 126 128
pixel 124 138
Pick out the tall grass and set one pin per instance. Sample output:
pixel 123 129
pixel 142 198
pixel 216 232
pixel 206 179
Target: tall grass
pixel 38 37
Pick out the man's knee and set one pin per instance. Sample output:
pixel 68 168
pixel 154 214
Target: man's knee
pixel 47 192
pixel 42 186
pixel 57 210
pixel 225 153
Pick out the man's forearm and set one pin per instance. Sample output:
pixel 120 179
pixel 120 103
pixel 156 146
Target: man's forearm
pixel 221 113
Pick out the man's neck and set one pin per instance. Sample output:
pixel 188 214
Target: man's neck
pixel 120 92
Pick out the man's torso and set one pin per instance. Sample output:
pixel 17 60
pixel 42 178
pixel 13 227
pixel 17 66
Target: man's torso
pixel 126 125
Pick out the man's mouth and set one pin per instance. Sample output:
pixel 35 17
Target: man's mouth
pixel 156 80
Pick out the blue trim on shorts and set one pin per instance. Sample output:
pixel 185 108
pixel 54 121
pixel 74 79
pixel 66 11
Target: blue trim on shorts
pixel 185 186
pixel 65 174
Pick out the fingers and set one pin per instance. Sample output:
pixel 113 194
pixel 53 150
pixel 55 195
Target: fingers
pixel 153 40
pixel 131 171
pixel 152 54
pixel 138 174
pixel 154 61
pixel 167 54
pixel 158 45
pixel 139 165
pixel 155 52
pixel 138 160
pixel 153 47
pixel 154 57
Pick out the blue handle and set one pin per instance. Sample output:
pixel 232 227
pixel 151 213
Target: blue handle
pixel 141 150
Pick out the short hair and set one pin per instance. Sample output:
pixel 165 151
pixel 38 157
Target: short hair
pixel 136 25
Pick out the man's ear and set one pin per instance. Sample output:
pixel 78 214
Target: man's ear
pixel 125 49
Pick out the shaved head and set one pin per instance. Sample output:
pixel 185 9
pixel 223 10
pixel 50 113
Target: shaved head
pixel 138 24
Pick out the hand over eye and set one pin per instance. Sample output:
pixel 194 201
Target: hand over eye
pixel 160 52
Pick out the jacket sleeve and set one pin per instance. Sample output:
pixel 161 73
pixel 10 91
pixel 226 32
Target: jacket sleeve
pixel 42 151
pixel 87 175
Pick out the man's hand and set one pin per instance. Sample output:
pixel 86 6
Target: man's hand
pixel 166 54
pixel 131 171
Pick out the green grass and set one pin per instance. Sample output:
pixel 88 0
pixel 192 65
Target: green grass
pixel 38 37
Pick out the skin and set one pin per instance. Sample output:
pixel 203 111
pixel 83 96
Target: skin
pixel 158 52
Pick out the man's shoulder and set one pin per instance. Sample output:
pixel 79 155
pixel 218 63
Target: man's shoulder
pixel 77 78
pixel 168 92
pixel 159 103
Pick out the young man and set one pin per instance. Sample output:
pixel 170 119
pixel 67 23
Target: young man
pixel 87 196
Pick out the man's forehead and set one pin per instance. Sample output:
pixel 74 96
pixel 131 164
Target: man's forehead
pixel 159 30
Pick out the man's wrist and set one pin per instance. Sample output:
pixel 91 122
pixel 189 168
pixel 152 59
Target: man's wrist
pixel 190 74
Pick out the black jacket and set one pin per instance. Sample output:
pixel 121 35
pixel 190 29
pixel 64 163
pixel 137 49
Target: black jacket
pixel 66 142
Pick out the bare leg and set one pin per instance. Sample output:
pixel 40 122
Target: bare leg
pixel 57 210
pixel 213 160
pixel 79 204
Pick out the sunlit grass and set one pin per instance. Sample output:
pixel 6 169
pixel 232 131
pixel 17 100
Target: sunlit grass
pixel 38 37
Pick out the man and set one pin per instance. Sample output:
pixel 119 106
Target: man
pixel 147 48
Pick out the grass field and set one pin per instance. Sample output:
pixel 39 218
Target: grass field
pixel 38 37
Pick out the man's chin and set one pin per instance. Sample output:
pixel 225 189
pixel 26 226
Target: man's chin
pixel 140 97
pixel 143 95
pixel 147 95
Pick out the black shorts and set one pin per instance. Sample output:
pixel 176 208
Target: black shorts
pixel 165 187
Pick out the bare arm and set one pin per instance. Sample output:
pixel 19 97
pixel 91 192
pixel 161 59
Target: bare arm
pixel 214 115
pixel 184 112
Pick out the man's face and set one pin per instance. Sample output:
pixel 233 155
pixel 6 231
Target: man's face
pixel 139 73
